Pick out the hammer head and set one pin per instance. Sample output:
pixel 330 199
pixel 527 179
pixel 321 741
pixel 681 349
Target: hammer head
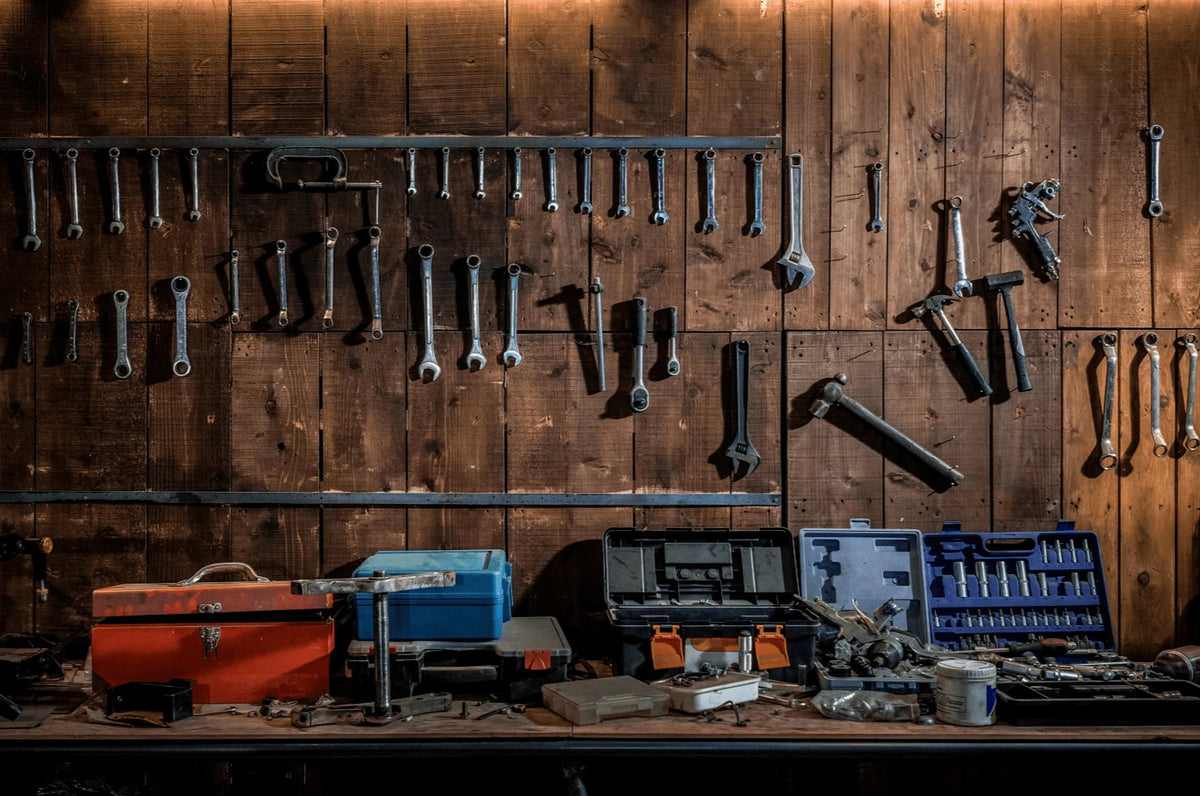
pixel 932 304
pixel 831 394
pixel 1003 281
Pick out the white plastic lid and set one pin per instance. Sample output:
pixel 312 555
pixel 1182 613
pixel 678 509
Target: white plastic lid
pixel 966 669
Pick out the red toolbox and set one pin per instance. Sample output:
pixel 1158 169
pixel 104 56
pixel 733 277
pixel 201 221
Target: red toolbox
pixel 239 640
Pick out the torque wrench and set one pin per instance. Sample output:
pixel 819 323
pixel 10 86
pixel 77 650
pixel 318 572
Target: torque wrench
pixel 516 188
pixel 31 242
pixel 194 157
pixel 1108 455
pixel 444 193
pixel 155 216
pixel 639 396
pixel 512 355
pixel 281 260
pixel 756 163
pixel 1150 344
pixel 72 335
pixel 373 235
pixel 963 285
pixel 741 453
pixel 622 183
pixel 585 198
pixel 876 224
pixel 428 366
pixel 122 369
pixel 27 338
pixel 115 226
pixel 74 228
pixel 672 333
pixel 660 189
pixel 597 289
pixel 551 180
pixel 710 190
pixel 331 236
pixel 180 287
pixel 411 190
pixel 795 262
pixel 235 290
pixel 1154 207
pixel 475 359
pixel 1191 441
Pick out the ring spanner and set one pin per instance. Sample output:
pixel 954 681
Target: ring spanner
pixel 331 236
pixel 1108 455
pixel 475 359
pixel 180 287
pixel 1191 441
pixel 428 366
pixel 512 355
pixel 376 301
pixel 122 369
pixel 1150 344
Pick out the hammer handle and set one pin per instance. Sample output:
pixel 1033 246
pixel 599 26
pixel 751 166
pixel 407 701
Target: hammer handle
pixel 1018 347
pixel 969 362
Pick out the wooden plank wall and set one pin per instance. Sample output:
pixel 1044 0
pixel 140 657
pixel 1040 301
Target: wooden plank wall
pixel 953 97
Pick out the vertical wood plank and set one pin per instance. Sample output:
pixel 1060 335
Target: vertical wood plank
pixel 639 66
pixel 1104 237
pixel 24 286
pixel 362 415
pixel 24 26
pixel 182 539
pixel 735 68
pixel 1187 515
pixel 456 67
pixel 767 363
pixel 348 535
pixel 277 67
pixel 280 543
pixel 549 67
pixel 188 43
pixel 17 601
pixel 456 529
pixel 18 410
pixel 365 67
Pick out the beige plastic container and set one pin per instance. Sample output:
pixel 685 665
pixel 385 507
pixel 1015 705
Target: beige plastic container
pixel 966 692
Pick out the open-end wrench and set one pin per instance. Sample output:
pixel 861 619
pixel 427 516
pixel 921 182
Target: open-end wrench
pixel 155 220
pixel 1191 441
pixel 660 189
pixel 710 190
pixel 281 260
pixel 181 286
pixel 1108 454
pixel 475 358
pixel 597 289
pixel 73 331
pixel 122 369
pixel 622 183
pixel 756 163
pixel 551 180
pixel 428 366
pixel 639 396
pixel 512 355
pixel 194 156
pixel 373 235
pixel 235 290
pixel 585 194
pixel 963 284
pixel 27 338
pixel 331 236
pixel 411 190
pixel 796 264
pixel 743 458
pixel 1154 207
pixel 672 335
pixel 115 226
pixel 1150 344
pixel 479 190
pixel 31 242
pixel 516 187
pixel 876 224
pixel 74 228
pixel 444 193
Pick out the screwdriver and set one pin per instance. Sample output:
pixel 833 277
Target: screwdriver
pixel 1046 648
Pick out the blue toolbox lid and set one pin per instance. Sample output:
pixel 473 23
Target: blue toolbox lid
pixel 480 575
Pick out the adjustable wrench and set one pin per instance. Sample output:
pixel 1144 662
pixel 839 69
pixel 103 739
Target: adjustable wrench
pixel 876 224
pixel 475 359
pixel 551 180
pixel 412 172
pixel 516 189
pixel 741 452
pixel 479 191
pixel 596 289
pixel 194 157
pixel 180 287
pixel 281 259
pixel 376 301
pixel 155 216
pixel 622 183
pixel 512 356
pixel 72 336
pixel 963 285
pixel 31 242
pixel 27 338
pixel 710 190
pixel 74 229
pixel 444 193
pixel 756 226
pixel 1150 344
pixel 235 291
pixel 331 236
pixel 1191 441
pixel 116 226
pixel 639 397
pixel 1154 207
pixel 122 369
pixel 660 189
pixel 1108 455
pixel 672 334
pixel 585 198
pixel 795 262
pixel 428 365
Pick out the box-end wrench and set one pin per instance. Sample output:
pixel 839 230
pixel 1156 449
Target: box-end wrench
pixel 1108 454
pixel 73 331
pixel 411 190
pixel 155 220
pixel 27 338
pixel 1154 207
pixel 516 186
pixel 672 335
pixel 331 236
pixel 122 369
pixel 876 224
pixel 743 458
pixel 1191 441
pixel 281 260
pixel 585 198
pixel 31 242
pixel 796 264
pixel 373 235
pixel 194 156
pixel 660 216
pixel 639 396
pixel 479 190
pixel 235 290
pixel 551 180
pixel 512 355
pixel 444 193
pixel 596 289
pixel 622 183
pixel 475 358
pixel 74 228
pixel 428 368
pixel 181 286
pixel 1150 344
pixel 963 284
pixel 115 226
pixel 710 191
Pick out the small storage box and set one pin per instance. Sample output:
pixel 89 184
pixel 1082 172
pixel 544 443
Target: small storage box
pixel 699 696
pixel 592 701
pixel 474 608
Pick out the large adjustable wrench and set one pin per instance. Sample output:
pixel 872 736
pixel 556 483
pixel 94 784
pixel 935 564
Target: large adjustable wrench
pixel 833 395
pixel 1191 441
pixel 1150 344
pixel 512 355
pixel 796 264
pixel 428 366
pixel 475 358
pixel 180 287
pixel 743 458
pixel 1108 454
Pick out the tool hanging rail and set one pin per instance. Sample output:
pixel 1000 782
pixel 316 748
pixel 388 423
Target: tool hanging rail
pixel 402 141
pixel 183 498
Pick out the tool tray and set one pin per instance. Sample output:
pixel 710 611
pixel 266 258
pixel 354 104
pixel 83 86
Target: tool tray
pixel 1099 702
pixel 1066 593
pixel 679 598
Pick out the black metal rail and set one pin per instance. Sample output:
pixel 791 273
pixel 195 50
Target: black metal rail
pixel 400 142
pixel 488 499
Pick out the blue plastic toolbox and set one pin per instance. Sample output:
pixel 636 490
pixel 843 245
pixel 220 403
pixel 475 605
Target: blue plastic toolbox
pixel 474 608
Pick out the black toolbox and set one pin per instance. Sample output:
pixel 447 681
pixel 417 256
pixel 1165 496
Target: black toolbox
pixel 680 598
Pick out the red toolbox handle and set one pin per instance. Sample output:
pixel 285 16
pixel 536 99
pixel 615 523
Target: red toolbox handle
pixel 224 566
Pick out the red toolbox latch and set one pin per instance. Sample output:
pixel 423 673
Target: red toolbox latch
pixel 666 648
pixel 770 648
pixel 537 660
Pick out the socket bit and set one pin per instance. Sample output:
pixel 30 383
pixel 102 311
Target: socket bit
pixel 1022 579
pixel 960 578
pixel 1002 576
pixel 982 576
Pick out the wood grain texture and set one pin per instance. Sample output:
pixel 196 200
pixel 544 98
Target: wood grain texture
pixel 365 67
pixel 639 67
pixel 280 543
pixel 24 285
pixel 277 67
pixel 17 601
pixel 549 67
pixel 18 407
pixel 101 88
pixel 1187 511
pixel 23 67
pixel 349 535
pixel 188 83
pixel 735 60
pixel 1104 238
pixel 456 529
pixel 182 539
pixel 1174 75
pixel 456 66
pixel 859 135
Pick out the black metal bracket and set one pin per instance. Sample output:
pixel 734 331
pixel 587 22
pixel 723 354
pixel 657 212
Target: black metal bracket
pixel 483 499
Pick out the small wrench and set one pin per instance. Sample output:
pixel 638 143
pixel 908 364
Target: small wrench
pixel 32 242
pixel 639 396
pixel 756 226
pixel 194 156
pixel 475 359
pixel 585 200
pixel 428 366
pixel 116 226
pixel 1108 455
pixel 27 338
pixel 1191 441
pixel 122 369
pixel 672 334
pixel 963 285
pixel 876 224
pixel 72 337
pixel 622 183
pixel 516 189
pixel 597 289
pixel 155 216
pixel 445 192
pixel 1150 344
pixel 74 229
pixel 660 189
pixel 741 451
pixel 551 180
pixel 512 356
pixel 412 172
pixel 235 309
pixel 373 235
pixel 1154 207
pixel 795 262
pixel 710 190
pixel 281 259
pixel 479 191
pixel 331 236
pixel 180 287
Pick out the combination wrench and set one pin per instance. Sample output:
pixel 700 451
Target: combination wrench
pixel 475 358
pixel 155 220
pixel 479 190
pixel 672 335
pixel 743 458
pixel 585 199
pixel 428 365
pixel 74 228
pixel 444 193
pixel 660 189
pixel 73 331
pixel 373 235
pixel 235 291
pixel 1154 207
pixel 796 262
pixel 115 226
pixel 710 190
pixel 516 187
pixel 122 369
pixel 181 286
pixel 27 338
pixel 281 260
pixel 963 285
pixel 876 224
pixel 1191 441
pixel 551 180
pixel 596 289
pixel 639 396
pixel 1108 454
pixel 331 236
pixel 1150 344
pixel 512 355
pixel 622 183
pixel 411 190
pixel 194 157
pixel 756 163
pixel 31 242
